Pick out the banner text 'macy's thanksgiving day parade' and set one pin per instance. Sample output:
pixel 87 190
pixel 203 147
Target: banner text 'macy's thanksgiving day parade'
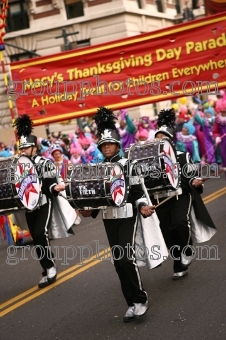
pixel 176 61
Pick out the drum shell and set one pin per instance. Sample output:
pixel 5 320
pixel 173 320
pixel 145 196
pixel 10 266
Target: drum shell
pixel 9 200
pixel 15 172
pixel 89 186
pixel 151 164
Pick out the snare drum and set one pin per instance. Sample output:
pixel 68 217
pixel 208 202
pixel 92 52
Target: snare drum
pixel 19 185
pixel 96 186
pixel 157 163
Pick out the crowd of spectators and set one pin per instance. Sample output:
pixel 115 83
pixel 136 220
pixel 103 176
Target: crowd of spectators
pixel 200 130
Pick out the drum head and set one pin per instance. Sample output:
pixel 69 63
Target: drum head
pixel 118 184
pixel 27 183
pixel 171 164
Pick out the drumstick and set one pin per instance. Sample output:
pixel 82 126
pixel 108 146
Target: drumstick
pixel 166 199
pixel 147 195
pixel 62 196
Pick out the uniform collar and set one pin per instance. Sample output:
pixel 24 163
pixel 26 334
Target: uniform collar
pixel 115 158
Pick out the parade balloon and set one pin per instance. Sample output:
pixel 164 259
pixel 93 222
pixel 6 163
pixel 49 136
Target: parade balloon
pixel 175 106
pixel 211 103
pixel 183 100
pixel 183 109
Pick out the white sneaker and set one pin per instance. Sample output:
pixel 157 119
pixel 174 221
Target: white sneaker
pixel 140 309
pixel 43 282
pixel 178 276
pixel 186 260
pixel 129 316
pixel 77 220
pixel 51 274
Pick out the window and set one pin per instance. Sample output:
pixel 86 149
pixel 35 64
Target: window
pixel 196 4
pixel 80 43
pixel 17 18
pixel 177 5
pixel 139 3
pixel 74 8
pixel 20 56
pixel 159 6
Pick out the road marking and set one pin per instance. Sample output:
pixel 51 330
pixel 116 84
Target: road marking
pixel 71 272
pixel 61 277
pixel 214 195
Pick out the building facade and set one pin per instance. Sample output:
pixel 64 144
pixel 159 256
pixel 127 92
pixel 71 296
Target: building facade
pixel 42 27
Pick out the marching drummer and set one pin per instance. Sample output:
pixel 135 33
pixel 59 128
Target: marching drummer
pixel 184 214
pixel 120 231
pixel 39 219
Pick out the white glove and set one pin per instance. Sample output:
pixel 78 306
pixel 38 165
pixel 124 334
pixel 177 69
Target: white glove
pixel 59 187
pixel 218 140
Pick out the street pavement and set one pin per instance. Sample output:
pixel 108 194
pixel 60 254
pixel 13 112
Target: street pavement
pixel 86 301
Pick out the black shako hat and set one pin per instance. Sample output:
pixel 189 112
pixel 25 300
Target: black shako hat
pixel 106 129
pixel 24 128
pixel 166 123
